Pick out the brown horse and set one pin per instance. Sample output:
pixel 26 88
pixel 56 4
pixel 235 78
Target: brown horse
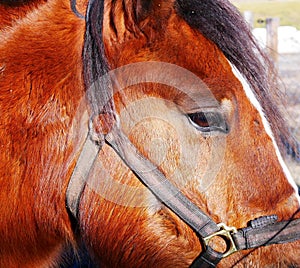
pixel 195 97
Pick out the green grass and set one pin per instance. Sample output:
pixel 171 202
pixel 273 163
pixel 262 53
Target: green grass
pixel 288 11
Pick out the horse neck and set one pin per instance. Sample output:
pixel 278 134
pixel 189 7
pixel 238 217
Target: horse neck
pixel 40 131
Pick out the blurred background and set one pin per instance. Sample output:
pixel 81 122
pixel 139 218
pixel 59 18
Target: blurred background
pixel 276 25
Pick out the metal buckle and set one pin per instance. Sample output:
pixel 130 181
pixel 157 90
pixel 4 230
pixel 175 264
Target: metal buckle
pixel 225 233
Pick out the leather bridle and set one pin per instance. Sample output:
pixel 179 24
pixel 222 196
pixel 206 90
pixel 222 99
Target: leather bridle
pixel 260 232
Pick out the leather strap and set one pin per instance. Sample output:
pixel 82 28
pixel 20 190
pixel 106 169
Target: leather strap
pixel 148 173
pixel 274 233
pixel 207 259
pixel 80 174
pixel 159 185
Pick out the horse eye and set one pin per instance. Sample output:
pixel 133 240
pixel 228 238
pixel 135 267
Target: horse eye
pixel 208 122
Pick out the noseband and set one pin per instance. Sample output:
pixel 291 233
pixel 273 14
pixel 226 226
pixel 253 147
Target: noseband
pixel 259 232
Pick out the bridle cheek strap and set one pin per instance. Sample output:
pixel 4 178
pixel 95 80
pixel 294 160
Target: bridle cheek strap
pixel 261 232
pixel 159 185
pixel 80 174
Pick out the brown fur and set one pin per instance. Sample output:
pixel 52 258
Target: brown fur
pixel 43 127
pixel 11 11
pixel 38 102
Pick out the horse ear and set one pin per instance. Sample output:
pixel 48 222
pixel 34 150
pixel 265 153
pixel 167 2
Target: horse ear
pixel 123 21
pixel 143 8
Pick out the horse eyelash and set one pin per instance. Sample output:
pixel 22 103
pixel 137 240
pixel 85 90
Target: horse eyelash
pixel 207 122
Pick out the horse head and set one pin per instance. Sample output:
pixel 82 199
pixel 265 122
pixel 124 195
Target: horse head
pixel 207 119
pixel 150 132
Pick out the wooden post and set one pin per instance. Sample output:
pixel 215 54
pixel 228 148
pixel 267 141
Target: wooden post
pixel 248 15
pixel 272 25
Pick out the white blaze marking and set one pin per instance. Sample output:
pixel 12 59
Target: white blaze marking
pixel 266 124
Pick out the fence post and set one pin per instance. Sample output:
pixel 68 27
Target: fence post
pixel 248 15
pixel 272 25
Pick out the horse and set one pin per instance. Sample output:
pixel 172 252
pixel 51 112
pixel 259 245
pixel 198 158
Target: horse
pixel 148 132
